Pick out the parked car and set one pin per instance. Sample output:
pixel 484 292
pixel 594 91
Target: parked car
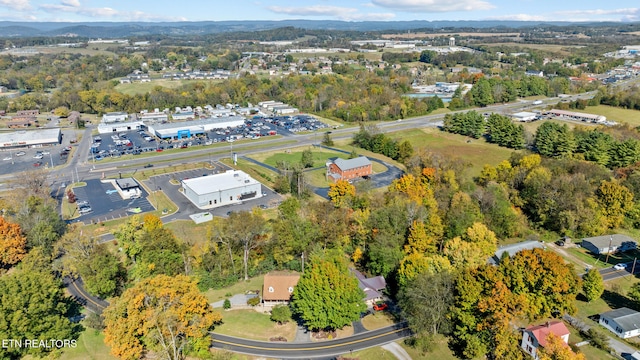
pixel 21 153
pixel 560 242
pixel 380 306
pixel 148 166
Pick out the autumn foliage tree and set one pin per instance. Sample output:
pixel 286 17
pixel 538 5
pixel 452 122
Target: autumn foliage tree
pixel 557 349
pixel 341 192
pixel 12 243
pixel 164 314
pixel 592 285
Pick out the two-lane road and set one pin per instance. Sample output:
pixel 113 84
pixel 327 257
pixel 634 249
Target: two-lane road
pixel 321 350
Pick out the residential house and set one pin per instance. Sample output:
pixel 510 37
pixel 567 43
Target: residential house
pixel 28 112
pixel 608 244
pixel 372 287
pixel 535 337
pixel 341 169
pixel 278 287
pixel 514 249
pixel 534 73
pixel 623 322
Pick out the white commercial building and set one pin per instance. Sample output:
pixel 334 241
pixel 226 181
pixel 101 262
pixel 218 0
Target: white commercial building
pixel 115 117
pixel 30 138
pixel 524 116
pixel 231 187
pixel 195 127
pixel 106 128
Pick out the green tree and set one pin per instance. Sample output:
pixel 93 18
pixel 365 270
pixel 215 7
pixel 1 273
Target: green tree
pixel 326 139
pixel 327 296
pixel 164 314
pixel 281 314
pixel 33 306
pixel 592 285
pixel 615 201
pixel 307 158
pixel 425 302
pixel 102 272
pixel 554 140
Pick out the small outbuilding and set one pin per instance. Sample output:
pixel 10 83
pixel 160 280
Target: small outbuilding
pixel 608 244
pixel 128 188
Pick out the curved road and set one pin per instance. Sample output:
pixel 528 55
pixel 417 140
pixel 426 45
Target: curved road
pixel 322 350
pixel 80 295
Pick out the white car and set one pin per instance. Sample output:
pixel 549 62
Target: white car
pixel 8 158
pixel 21 153
pixel 620 266
pixel 38 156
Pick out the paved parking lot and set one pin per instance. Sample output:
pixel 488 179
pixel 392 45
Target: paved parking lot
pixel 19 160
pixel 106 203
pixel 186 208
pixel 138 141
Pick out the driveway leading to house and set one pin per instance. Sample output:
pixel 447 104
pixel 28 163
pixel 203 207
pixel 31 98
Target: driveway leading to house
pixel 397 351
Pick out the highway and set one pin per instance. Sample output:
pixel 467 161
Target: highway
pixel 312 350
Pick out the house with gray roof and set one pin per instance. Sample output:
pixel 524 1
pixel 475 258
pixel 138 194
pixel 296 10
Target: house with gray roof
pixel 341 169
pixel 372 287
pixel 623 322
pixel 608 244
pixel 513 249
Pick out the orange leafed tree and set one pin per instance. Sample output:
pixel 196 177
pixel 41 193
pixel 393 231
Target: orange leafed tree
pixel 161 314
pixel 13 245
pixel 556 349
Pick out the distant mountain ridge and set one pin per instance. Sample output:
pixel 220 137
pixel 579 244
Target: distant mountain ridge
pixel 108 30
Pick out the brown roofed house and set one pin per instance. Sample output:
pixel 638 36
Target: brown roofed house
pixel 278 287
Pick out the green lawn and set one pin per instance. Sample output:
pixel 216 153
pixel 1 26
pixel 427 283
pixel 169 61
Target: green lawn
pixel 377 320
pixel 90 346
pixel 616 114
pixel 614 297
pixel 601 261
pixel 476 152
pixel 241 287
pixel 188 231
pixel 590 352
pixel 291 156
pixel 143 88
pixel 251 324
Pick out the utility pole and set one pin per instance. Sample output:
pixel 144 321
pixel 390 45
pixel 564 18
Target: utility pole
pixel 302 256
pixel 633 268
pixel 609 249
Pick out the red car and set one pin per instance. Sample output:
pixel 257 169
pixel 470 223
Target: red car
pixel 380 306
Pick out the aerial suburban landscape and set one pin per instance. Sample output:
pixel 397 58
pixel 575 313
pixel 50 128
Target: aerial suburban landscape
pixel 390 180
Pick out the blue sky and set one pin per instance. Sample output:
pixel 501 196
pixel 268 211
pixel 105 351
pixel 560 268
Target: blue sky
pixel 350 10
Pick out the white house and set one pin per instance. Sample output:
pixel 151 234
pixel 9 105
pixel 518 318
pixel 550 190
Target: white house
pixel 623 322
pixel 535 337
pixel 112 117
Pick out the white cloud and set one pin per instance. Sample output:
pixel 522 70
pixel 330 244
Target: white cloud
pixel 433 6
pixel 16 4
pixel 519 17
pixel 598 12
pixel 342 13
pixel 315 10
pixel 69 6
pixel 74 3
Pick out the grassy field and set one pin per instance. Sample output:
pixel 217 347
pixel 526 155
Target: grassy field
pixel 602 261
pixel 241 287
pixel 259 173
pixel 250 324
pixel 614 297
pixel 69 210
pixel 590 352
pixel 291 156
pixel 476 152
pixel 188 231
pixel 90 346
pixel 377 320
pixel 616 114
pixel 138 88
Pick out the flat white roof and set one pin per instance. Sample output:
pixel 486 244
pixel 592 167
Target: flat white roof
pixel 219 182
pixel 29 137
pixel 523 114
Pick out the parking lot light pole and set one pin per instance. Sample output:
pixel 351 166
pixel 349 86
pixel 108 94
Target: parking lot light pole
pixel 51 158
